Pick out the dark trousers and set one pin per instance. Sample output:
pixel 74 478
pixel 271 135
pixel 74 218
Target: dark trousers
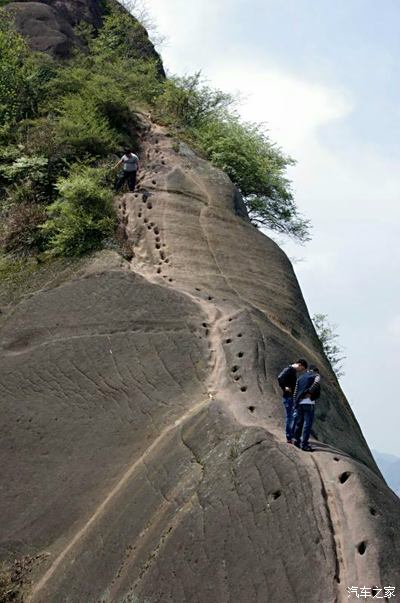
pixel 288 403
pixel 303 420
pixel 129 177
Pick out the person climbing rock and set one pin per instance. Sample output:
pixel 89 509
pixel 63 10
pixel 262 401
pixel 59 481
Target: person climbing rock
pixel 287 380
pixel 130 163
pixel 308 389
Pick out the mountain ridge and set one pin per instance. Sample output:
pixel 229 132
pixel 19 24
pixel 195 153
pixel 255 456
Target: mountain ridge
pixel 169 420
pixel 143 442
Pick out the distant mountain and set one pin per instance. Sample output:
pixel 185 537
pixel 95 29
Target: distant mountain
pixel 390 467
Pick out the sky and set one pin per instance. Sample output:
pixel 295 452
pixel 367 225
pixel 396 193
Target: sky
pixel 324 77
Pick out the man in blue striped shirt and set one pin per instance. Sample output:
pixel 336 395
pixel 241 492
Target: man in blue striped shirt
pixel 287 380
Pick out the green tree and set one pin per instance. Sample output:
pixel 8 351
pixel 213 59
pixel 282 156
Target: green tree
pixel 329 340
pixel 258 168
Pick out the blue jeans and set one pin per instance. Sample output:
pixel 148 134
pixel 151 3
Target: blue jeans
pixel 288 403
pixel 303 420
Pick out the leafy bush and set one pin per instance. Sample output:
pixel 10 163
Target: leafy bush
pixel 83 215
pixel 258 168
pixel 81 129
pixel 24 191
pixel 23 178
pixel 25 166
pixel 35 136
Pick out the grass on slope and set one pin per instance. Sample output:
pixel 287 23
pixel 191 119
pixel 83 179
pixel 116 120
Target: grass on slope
pixel 62 126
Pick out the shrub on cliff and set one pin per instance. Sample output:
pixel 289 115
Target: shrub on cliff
pixel 329 341
pixel 122 35
pixel 81 129
pixel 258 168
pixel 24 181
pixel 82 216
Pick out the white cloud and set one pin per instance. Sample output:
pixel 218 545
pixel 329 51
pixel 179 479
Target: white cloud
pixel 393 329
pixel 292 107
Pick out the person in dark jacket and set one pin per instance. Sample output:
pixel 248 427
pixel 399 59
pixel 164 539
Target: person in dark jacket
pixel 287 380
pixel 308 389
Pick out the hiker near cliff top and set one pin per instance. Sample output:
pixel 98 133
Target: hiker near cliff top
pixel 308 389
pixel 287 380
pixel 130 163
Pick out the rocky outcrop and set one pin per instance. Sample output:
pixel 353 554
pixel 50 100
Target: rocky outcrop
pixel 48 26
pixel 143 451
pixel 76 11
pixel 45 28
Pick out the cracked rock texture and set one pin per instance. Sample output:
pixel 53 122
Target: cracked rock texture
pixel 143 451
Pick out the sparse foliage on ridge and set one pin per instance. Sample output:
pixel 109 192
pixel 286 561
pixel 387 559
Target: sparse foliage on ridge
pixel 256 165
pixel 329 340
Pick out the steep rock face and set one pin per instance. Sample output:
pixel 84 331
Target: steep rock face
pixel 143 450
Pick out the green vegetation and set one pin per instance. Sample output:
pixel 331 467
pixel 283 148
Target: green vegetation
pixel 208 120
pixel 56 149
pixel 62 123
pixel 329 340
pixel 19 74
pixel 82 216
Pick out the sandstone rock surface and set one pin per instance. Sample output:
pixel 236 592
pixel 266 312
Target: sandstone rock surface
pixel 142 448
